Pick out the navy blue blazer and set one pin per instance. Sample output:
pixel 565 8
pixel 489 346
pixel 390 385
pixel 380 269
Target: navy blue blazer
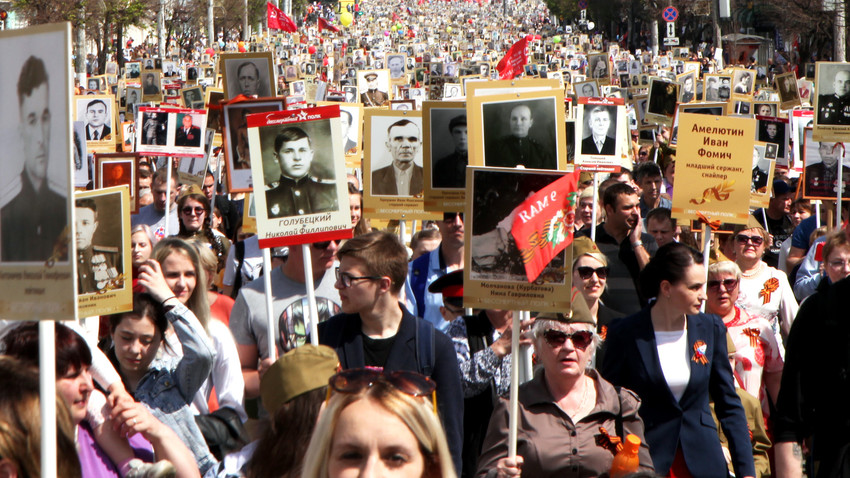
pixel 446 373
pixel 631 361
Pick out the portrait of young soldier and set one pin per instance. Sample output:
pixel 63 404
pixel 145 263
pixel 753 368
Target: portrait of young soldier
pixel 298 191
pixel 96 265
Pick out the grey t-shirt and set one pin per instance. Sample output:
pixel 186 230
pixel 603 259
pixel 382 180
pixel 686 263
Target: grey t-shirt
pixel 248 317
pixel 156 220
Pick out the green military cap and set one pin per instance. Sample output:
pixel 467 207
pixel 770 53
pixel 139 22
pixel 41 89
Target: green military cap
pixel 297 372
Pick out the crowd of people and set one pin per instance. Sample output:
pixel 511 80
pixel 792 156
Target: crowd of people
pixel 735 369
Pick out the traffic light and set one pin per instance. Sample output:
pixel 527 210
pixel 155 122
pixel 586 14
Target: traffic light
pixel 3 15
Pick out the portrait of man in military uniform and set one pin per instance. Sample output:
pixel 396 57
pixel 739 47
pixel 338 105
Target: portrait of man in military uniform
pixel 372 94
pixel 821 174
pixel 98 267
pixel 299 191
pixel 512 144
pixel 834 97
pixel 449 171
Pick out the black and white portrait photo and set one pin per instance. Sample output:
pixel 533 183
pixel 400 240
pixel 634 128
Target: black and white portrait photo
pixel 99 239
pixel 776 132
pixel 833 100
pixel 600 129
pixel 236 139
pixel 98 113
pixel 396 156
pixel 587 89
pixel 521 132
pixel 396 64
pixel 448 158
pixel 247 74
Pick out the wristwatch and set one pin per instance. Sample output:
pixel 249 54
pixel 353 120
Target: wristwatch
pixel 637 244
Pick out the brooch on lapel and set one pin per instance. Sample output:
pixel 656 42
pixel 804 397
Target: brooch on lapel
pixel 612 443
pixel 699 352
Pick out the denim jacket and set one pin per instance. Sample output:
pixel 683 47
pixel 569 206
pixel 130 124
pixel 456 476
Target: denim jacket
pixel 171 383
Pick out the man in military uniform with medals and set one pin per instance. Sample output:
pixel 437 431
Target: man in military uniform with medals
pixel 373 96
pixel 97 266
pixel 298 192
pixel 834 109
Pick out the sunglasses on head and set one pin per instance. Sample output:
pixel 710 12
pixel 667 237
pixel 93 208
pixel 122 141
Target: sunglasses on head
pixel 556 338
pixel 410 383
pixel 755 240
pixel 325 244
pixel 728 284
pixel 587 272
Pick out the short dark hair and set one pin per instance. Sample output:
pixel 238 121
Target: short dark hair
pixel 383 254
pixel 33 75
pixel 645 170
pixel 670 263
pixel 94 102
pixel 72 352
pixel 609 198
pixel 247 63
pixel 144 305
pixel 424 235
pixel 86 203
pixel 347 113
pixel 287 135
pixel 661 214
pixel 401 123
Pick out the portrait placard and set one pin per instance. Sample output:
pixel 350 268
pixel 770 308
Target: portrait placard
pixel 832 121
pixel 397 64
pixel 193 98
pixel 518 129
pixel 374 87
pixel 820 174
pixel 495 276
pixel 82 168
pixel 711 109
pixel 661 106
pixel 236 139
pixel 103 251
pixel 786 86
pixel 98 113
pixel 715 161
pixel 600 134
pixel 445 161
pixel 192 170
pixel 299 174
pixel 247 74
pixel 764 167
pixel 778 132
pixel 152 86
pixel 170 131
pixel 117 169
pixel 393 176
pixel 800 119
pixel 37 279
pixel 504 87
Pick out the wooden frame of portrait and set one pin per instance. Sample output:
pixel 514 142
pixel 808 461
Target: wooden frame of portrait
pixel 494 277
pixel 832 117
pixel 488 115
pixel 156 82
pixel 601 162
pixel 229 64
pixel 379 200
pixel 128 162
pixel 38 280
pixel 235 139
pixel 114 292
pixel 710 109
pixel 280 221
pixel 80 105
pixel 786 86
pixel 198 104
pixel 760 197
pixel 662 99
pixel 812 184
pixel 439 114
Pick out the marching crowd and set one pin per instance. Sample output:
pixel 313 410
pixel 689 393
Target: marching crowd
pixel 737 369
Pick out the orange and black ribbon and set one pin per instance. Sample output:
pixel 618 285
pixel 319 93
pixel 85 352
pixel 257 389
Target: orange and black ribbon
pixel 770 286
pixel 699 352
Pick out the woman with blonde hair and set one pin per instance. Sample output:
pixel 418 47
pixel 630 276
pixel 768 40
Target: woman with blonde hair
pixel 381 423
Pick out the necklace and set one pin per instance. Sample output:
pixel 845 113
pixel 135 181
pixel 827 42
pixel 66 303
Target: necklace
pixel 754 272
pixel 579 412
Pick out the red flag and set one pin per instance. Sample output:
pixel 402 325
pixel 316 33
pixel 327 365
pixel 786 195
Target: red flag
pixel 513 61
pixel 395 17
pixel 544 224
pixel 278 20
pixel 325 25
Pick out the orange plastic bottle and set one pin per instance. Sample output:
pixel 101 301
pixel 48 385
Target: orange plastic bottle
pixel 626 461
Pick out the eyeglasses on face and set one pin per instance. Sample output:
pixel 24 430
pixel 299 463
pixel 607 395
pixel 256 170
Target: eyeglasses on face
pixel 325 244
pixel 188 210
pixel 744 239
pixel 410 383
pixel 347 279
pixel 556 338
pixel 728 284
pixel 587 272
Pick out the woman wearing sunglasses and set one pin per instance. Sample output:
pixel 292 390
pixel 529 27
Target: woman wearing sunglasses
pixel 566 403
pixel 758 362
pixel 379 423
pixel 193 210
pixel 590 276
pixel 764 290
pixel 675 359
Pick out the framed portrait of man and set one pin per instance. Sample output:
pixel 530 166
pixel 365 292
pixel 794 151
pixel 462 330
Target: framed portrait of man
pixel 36 131
pixel 374 87
pixel 600 133
pixel 518 129
pixel 397 65
pixel 764 166
pixel 235 139
pixel 587 89
pixel 821 161
pixel 212 100
pixel 661 106
pixel 445 161
pixel 688 89
pixel 766 108
pixel 102 240
pixel 786 86
pixel 247 74
pixel 491 254
pixel 132 70
pixel 298 173
pixel 99 114
pixel 193 97
pixel 832 104
pixel 598 68
pixel 117 169
pixel 351 134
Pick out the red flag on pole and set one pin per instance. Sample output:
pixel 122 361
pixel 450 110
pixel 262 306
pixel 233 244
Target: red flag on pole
pixel 278 20
pixel 513 61
pixel 544 224
pixel 325 25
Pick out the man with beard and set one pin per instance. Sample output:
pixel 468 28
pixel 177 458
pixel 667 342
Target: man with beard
pixel 625 245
